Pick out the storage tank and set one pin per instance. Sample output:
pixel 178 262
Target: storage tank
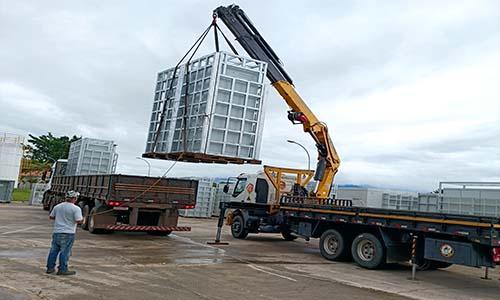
pixel 11 153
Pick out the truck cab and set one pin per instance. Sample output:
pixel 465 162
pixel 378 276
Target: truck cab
pixel 259 188
pixel 255 200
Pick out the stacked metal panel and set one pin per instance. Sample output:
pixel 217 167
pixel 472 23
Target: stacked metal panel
pixel 91 156
pixel 471 198
pixel 400 200
pixel 37 193
pixel 470 201
pixel 220 196
pixel 6 189
pixel 204 200
pixel 222 114
pixel 378 198
pixel 428 202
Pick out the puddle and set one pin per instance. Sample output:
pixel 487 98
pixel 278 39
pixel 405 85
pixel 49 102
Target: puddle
pixel 18 254
pixel 7 295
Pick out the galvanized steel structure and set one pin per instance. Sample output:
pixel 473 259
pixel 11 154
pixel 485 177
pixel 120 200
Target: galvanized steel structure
pixel 221 115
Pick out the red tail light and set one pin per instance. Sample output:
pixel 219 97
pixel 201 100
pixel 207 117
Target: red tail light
pixel 114 203
pixel 188 206
pixel 495 255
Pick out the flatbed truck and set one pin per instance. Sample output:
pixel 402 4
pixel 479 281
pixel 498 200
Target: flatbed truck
pixel 115 202
pixel 372 237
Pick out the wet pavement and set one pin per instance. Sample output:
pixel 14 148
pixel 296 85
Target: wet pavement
pixel 183 266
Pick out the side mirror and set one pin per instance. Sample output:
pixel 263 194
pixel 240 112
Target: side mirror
pixel 225 189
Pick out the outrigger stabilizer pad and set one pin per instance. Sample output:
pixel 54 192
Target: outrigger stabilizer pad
pixel 219 230
pixel 217 243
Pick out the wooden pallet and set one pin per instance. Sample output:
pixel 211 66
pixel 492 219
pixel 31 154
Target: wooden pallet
pixel 201 158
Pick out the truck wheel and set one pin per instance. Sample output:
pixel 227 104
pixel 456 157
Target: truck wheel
pixel 238 229
pixel 288 236
pixel 368 251
pixel 160 233
pixel 85 215
pixel 45 201
pixel 332 245
pixel 91 223
pixel 51 205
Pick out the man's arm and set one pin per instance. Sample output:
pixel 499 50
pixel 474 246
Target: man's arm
pixel 52 215
pixel 78 215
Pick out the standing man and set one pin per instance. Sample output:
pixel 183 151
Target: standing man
pixel 66 215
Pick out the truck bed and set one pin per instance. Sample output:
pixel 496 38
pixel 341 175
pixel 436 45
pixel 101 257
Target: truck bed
pixel 482 230
pixel 138 189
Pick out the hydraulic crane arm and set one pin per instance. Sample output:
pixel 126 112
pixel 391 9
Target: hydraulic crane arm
pixel 255 45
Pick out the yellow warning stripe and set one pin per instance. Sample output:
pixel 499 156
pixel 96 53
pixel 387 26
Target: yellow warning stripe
pixel 396 217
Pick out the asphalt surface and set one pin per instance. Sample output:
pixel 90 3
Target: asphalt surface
pixel 183 266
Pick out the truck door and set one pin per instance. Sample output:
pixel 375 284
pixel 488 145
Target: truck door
pixel 261 190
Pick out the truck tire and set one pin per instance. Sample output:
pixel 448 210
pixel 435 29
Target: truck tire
pixel 85 215
pixel 288 236
pixel 332 245
pixel 367 251
pixel 91 223
pixel 45 201
pixel 238 229
pixel 52 204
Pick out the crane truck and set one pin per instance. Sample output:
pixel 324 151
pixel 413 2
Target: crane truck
pixel 267 203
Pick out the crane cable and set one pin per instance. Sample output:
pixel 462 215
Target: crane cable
pixel 195 46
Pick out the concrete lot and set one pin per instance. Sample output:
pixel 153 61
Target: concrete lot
pixel 183 266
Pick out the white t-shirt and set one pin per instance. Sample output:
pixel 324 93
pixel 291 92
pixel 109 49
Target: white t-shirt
pixel 66 214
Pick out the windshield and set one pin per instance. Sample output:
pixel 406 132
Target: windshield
pixel 240 186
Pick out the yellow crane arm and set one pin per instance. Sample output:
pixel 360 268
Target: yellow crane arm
pixel 256 46
pixel 319 132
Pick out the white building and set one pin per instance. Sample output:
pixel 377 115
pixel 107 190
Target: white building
pixel 11 153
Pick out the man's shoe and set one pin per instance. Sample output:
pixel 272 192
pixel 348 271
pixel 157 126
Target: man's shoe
pixel 50 271
pixel 66 273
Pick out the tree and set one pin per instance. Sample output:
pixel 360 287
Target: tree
pixel 48 148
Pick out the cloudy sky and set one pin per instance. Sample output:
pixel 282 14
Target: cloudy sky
pixel 409 89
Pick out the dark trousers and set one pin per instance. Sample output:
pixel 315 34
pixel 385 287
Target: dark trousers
pixel 61 245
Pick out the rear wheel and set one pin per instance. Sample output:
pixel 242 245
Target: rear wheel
pixel 332 245
pixel 85 215
pixel 368 251
pixel 288 236
pixel 52 204
pixel 91 222
pixel 238 229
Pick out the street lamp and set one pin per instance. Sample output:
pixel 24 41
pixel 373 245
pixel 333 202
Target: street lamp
pixel 149 165
pixel 307 152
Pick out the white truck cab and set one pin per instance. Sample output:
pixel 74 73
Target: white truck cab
pixel 258 188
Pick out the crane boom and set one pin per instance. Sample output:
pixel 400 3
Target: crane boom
pixel 254 44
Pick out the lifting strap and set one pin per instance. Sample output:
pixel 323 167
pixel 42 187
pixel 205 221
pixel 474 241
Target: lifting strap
pixel 169 95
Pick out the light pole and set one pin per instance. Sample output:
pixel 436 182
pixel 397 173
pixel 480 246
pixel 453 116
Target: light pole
pixel 149 165
pixel 307 152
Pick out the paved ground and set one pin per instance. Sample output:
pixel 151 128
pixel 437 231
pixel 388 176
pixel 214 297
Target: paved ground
pixel 183 266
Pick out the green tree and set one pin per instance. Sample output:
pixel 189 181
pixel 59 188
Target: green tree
pixel 48 148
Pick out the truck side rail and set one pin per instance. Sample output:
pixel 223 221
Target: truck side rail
pixel 483 230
